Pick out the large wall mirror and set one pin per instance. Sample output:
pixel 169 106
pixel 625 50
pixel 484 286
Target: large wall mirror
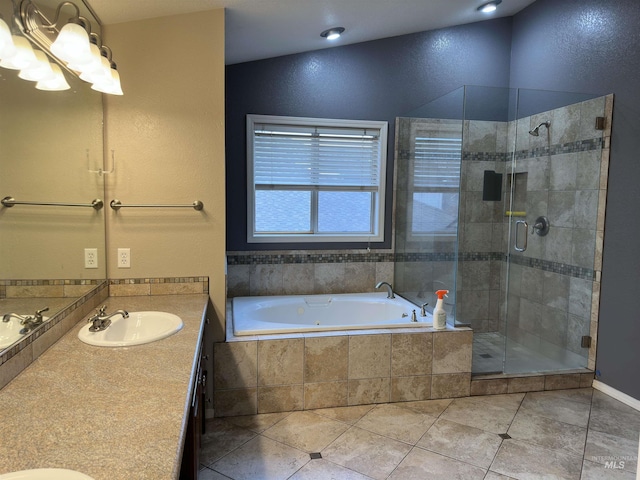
pixel 51 151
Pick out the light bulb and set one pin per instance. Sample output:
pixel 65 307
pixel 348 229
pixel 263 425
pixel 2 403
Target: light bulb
pixel 89 63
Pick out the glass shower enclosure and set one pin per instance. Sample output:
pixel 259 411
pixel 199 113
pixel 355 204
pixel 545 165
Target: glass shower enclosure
pixel 499 199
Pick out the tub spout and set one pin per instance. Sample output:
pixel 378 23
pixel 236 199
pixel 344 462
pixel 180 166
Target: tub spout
pixel 389 289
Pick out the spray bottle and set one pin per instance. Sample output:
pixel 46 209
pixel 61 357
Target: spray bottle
pixel 439 314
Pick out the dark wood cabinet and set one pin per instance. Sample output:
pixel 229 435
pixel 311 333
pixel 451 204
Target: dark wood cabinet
pixel 191 451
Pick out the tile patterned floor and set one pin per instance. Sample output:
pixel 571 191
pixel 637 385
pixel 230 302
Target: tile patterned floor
pixel 566 434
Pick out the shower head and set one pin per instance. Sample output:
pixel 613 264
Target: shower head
pixel 535 131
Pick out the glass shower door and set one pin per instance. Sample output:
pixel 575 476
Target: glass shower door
pixel 551 220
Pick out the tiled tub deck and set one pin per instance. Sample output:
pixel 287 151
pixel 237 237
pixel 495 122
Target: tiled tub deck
pixel 269 373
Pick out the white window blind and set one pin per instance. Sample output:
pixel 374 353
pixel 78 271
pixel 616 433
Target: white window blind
pixel 437 162
pixel 315 180
pixel 316 158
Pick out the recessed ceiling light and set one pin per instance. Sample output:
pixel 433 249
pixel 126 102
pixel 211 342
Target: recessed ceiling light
pixel 332 33
pixel 489 7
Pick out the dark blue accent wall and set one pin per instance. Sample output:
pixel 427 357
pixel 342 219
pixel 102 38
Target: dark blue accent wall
pixel 589 46
pixel 376 80
pixel 594 46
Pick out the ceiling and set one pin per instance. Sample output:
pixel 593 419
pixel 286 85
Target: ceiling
pixel 257 29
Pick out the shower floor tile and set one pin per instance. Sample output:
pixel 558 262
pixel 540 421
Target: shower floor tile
pixel 552 436
pixel 493 353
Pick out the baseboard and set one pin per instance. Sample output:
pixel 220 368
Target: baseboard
pixel 617 394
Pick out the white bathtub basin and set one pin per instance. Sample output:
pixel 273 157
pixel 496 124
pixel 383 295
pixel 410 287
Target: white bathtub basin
pixel 137 329
pixel 46 474
pixel 10 331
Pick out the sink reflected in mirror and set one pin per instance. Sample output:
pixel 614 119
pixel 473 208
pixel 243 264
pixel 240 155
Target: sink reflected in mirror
pixel 13 329
pixel 137 329
pixel 46 474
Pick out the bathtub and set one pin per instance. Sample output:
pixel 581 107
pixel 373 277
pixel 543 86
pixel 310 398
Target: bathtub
pixel 320 313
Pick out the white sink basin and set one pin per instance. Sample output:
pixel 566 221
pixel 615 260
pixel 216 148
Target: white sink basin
pixel 46 474
pixel 10 332
pixel 138 328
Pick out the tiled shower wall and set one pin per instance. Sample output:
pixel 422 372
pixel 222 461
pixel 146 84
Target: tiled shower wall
pixel 555 284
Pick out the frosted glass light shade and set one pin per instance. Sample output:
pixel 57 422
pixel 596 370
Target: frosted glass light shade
pixel 23 56
pixel 98 72
pixel 110 85
pixel 57 83
pixel 7 48
pixel 72 44
pixel 38 71
pixel 90 63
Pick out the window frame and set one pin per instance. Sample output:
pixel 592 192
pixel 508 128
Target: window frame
pixel 440 131
pixel 377 204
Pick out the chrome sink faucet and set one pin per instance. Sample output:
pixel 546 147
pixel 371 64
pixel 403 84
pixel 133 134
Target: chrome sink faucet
pixel 101 320
pixel 30 322
pixel 389 289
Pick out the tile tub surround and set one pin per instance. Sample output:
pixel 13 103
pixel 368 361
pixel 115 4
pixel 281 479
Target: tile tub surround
pixel 307 272
pixel 110 413
pixel 562 434
pixel 300 372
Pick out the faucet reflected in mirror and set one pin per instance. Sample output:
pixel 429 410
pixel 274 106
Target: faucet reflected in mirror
pixel 45 140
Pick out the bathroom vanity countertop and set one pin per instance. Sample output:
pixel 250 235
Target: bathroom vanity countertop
pixel 111 413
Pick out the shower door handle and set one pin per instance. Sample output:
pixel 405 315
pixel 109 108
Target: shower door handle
pixel 526 229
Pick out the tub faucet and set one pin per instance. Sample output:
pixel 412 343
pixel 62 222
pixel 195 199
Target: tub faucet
pixel 101 320
pixel 389 289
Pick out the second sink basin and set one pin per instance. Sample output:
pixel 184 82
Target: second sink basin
pixel 10 331
pixel 137 329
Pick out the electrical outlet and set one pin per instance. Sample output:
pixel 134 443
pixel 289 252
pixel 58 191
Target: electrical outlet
pixel 124 258
pixel 90 258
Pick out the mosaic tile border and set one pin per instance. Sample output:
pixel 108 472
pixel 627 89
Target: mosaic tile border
pixel 295 258
pixel 136 281
pixel 545 265
pixel 55 320
pixel 555 267
pixel 558 149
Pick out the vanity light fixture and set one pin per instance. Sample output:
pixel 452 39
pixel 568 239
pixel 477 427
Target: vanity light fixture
pixel 332 33
pixel 489 7
pixel 73 45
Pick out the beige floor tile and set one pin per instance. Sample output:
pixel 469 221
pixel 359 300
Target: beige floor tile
pixel 348 415
pixel 421 464
pixel 464 443
pixel 306 431
pixel 604 447
pixel 261 458
pixel 493 414
pixel 258 423
pixel 207 474
pixel 429 407
pixel 366 452
pixel 221 438
pixel 397 423
pixel 496 476
pixel 613 417
pixel 320 469
pixel 595 471
pixel 559 405
pixel 548 433
pixel 529 462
